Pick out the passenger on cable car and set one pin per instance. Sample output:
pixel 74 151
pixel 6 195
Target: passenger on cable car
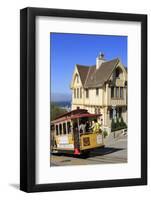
pixel 96 127
pixel 82 127
pixel 87 127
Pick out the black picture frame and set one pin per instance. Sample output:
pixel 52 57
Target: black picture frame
pixel 28 99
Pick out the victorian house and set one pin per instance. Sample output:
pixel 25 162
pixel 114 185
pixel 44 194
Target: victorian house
pixel 101 89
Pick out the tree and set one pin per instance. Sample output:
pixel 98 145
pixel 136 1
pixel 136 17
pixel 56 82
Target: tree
pixel 56 111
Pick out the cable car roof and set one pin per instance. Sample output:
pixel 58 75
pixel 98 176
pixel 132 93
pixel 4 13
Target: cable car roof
pixel 75 114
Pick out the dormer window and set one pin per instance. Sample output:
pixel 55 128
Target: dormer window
pixel 117 73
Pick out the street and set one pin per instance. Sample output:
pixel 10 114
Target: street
pixel 116 152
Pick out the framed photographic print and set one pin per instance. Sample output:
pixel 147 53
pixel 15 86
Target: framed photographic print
pixel 83 99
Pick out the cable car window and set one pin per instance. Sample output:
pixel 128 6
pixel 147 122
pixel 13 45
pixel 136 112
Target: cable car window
pixel 60 129
pixel 64 128
pixel 57 131
pixel 52 127
pixel 69 127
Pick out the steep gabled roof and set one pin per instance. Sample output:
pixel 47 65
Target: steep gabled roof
pixel 92 77
pixel 98 77
pixel 83 71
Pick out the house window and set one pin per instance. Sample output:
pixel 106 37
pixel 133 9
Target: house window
pixel 77 93
pixel 74 93
pixel 97 91
pixel 117 92
pixel 121 92
pixel 112 92
pixel 111 113
pixel 99 111
pixel 80 93
pixel 95 110
pixel 120 111
pixel 87 93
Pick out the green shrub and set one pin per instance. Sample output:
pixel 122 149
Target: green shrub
pixel 122 123
pixel 105 134
pixel 113 125
pixel 118 125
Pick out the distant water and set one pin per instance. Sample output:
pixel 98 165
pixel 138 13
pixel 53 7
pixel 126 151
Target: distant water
pixel 64 104
pixel 61 97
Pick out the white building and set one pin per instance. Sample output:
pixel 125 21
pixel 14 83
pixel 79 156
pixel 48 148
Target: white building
pixel 101 88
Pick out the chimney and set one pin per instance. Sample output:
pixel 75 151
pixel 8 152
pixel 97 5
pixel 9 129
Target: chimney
pixel 99 60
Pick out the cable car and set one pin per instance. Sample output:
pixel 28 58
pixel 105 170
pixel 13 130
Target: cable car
pixel 67 137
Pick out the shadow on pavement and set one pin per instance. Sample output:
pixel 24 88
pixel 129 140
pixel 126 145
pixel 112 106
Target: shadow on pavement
pixel 104 151
pixel 93 153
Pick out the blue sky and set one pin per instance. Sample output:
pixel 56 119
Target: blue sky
pixel 66 50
